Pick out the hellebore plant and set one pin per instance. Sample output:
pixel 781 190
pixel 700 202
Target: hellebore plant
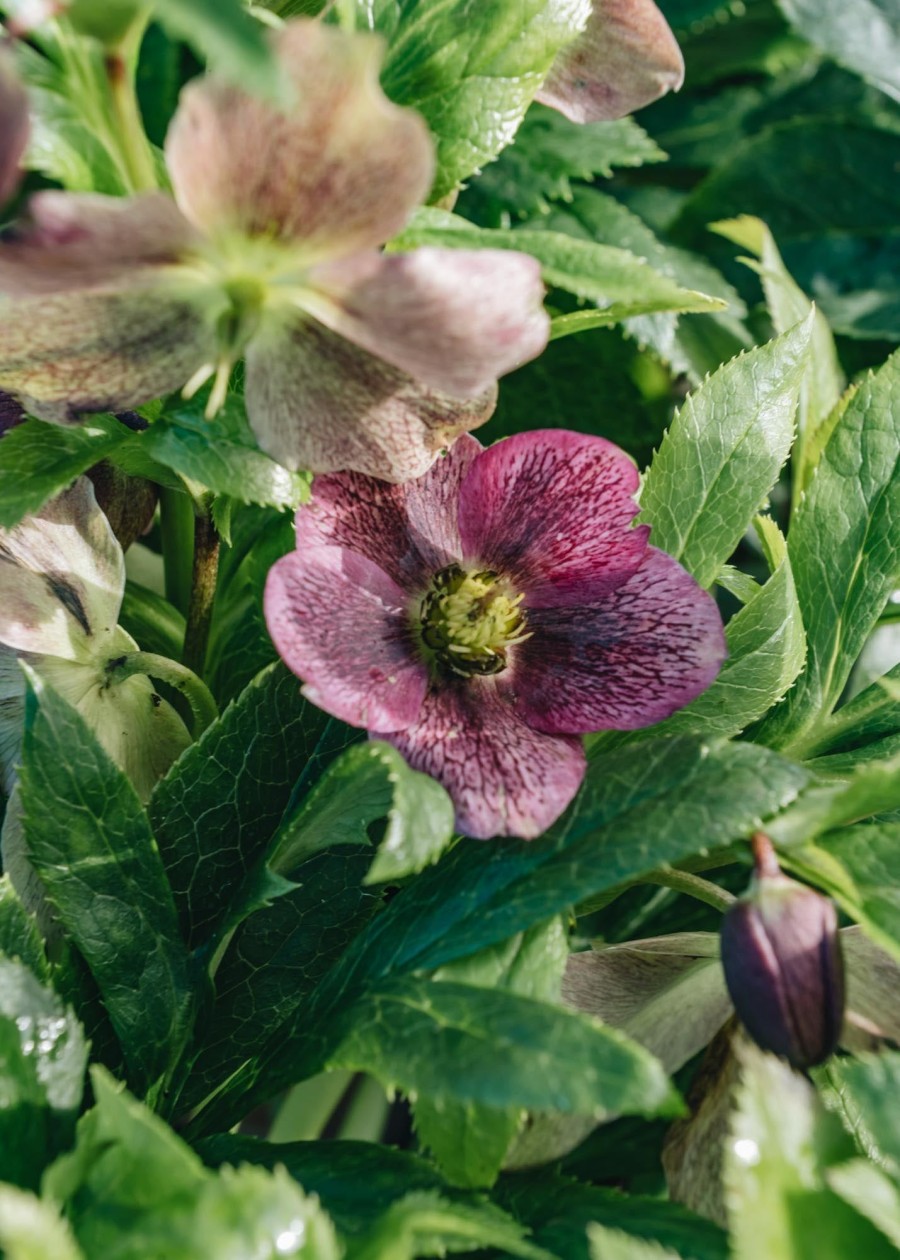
pixel 483 617
pixel 354 358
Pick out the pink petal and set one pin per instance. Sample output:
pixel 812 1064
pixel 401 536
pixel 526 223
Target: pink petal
pixel 552 510
pixel 626 57
pixel 504 777
pixel 410 531
pixel 631 660
pixel 62 576
pixel 341 625
pixel 13 126
pixel 80 241
pixel 456 319
pixel 316 401
pixel 340 170
pixel 92 316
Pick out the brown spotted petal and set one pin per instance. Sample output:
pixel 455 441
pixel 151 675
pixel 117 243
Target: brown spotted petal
pixel 455 319
pixel 317 401
pixel 339 169
pixel 13 126
pixel 94 315
pixel 62 576
pixel 626 57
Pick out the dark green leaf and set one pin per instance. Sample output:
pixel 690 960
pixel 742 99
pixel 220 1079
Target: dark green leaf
pixel 100 868
pixel 32 1229
pixel 864 36
pixel 224 34
pixel 43 1056
pixel 425 1224
pixel 868 1089
pixel 20 936
pixel 37 460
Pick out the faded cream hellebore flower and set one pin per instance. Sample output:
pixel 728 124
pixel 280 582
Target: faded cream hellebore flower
pixel 355 359
pixel 625 58
pixel 62 578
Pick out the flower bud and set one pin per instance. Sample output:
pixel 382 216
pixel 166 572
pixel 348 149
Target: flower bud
pixel 782 959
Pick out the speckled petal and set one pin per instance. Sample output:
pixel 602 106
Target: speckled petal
pixel 93 313
pixel 453 318
pixel 339 622
pixel 410 531
pixel 626 57
pixel 631 660
pixel 316 401
pixel 340 168
pixel 62 575
pixel 552 510
pixel 504 777
pixel 13 125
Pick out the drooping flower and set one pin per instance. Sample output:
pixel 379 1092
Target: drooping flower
pixel 13 126
pixel 625 58
pixel 62 578
pixel 355 359
pixel 485 615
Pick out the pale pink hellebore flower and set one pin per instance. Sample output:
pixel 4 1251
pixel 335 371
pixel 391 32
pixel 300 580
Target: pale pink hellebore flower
pixel 484 616
pixel 355 359
pixel 625 58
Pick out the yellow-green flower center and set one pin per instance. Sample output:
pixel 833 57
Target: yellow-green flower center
pixel 468 620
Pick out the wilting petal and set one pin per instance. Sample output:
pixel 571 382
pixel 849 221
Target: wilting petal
pixel 316 401
pixel 410 531
pixel 455 319
pixel 84 241
pixel 552 509
pixel 644 651
pixel 340 167
pixel 13 126
pixel 62 575
pixel 503 777
pixel 626 57
pixel 339 622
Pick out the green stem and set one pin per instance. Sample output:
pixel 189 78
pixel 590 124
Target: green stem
pixel 133 145
pixel 176 523
pixel 693 886
pixel 366 1114
pixel 204 573
pixel 308 1107
pixel 197 694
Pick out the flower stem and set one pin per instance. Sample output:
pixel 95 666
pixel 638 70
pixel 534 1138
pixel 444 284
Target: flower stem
pixel 684 882
pixel 194 690
pixel 134 147
pixel 176 523
pixel 204 573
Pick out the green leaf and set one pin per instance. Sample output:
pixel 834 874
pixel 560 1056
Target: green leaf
pixel 471 71
pixel 425 1224
pixel 868 1089
pixel 134 1189
pixel 101 871
pixel 844 575
pixel 38 460
pixel 613 1244
pixel 548 153
pixel 470 1141
pixel 33 1230
pixel 766 651
pixel 863 36
pixel 620 284
pixel 221 802
pixel 20 936
pixel 368 782
pixel 860 867
pixel 723 453
pixel 222 456
pixel 43 1056
pixel 783 1141
pixel 871 1193
pixel 823 380
pixel 461 1042
pixel 223 33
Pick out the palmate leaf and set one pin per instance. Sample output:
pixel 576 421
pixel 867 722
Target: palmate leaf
pixel 89 841
pixel 723 453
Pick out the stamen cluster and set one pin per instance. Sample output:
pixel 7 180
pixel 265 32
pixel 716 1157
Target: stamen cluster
pixel 467 621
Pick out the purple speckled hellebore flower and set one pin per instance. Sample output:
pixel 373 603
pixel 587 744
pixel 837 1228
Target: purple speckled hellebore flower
pixel 13 126
pixel 485 615
pixel 355 359
pixel 625 58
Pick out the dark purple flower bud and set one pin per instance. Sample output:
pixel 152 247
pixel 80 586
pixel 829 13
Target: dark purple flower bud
pixel 783 967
